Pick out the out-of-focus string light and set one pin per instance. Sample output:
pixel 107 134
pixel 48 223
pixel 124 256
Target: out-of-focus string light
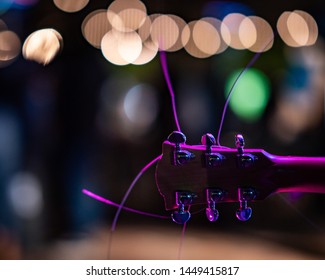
pixel 95 26
pixel 71 6
pixel 109 48
pixel 43 46
pixel 189 43
pixel 230 30
pixel 145 28
pixel 10 46
pixel 206 37
pixel 148 53
pixel 297 28
pixel 312 26
pixel 164 32
pixel 129 46
pixel 181 25
pixel 201 38
pixel 256 34
pixel 126 15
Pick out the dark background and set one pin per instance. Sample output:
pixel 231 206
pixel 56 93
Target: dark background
pixel 55 112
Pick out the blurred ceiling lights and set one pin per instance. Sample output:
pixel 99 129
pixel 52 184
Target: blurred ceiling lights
pixel 43 45
pixel 126 34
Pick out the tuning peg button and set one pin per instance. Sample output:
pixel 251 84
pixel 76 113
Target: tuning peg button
pixel 212 214
pixel 183 198
pixel 213 196
pixel 177 137
pixel 181 217
pixel 244 212
pixel 208 140
pixel 179 156
pixel 244 160
pixel 210 159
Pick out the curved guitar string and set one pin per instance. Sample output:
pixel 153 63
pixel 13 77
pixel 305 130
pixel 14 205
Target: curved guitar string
pixel 143 170
pixel 121 206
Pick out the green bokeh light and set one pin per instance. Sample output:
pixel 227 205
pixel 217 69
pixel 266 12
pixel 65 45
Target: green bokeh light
pixel 251 94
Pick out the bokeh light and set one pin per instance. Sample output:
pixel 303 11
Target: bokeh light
pixel 251 94
pixel 189 43
pixel 256 34
pixel 126 15
pixel 148 52
pixel 95 26
pixel 230 30
pixel 206 37
pixel 129 46
pixel 43 46
pixel 25 192
pixel 297 28
pixel 71 6
pixel 141 106
pixel 181 25
pixel 10 46
pixel 109 48
pixel 164 32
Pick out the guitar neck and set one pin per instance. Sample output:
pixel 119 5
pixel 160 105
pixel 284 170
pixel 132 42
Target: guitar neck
pixel 299 174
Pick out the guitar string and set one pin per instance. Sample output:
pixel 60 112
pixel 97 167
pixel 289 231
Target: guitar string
pixel 182 238
pixel 230 93
pixel 163 61
pixel 125 197
pixel 127 193
pixel 128 209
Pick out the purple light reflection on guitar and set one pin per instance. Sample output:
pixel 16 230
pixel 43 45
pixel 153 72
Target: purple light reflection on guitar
pixel 210 174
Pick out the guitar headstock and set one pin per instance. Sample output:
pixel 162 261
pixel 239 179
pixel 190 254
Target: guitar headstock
pixel 208 174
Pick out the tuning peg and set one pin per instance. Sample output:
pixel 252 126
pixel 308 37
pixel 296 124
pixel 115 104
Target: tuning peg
pixel 244 160
pixel 180 156
pixel 208 140
pixel 240 143
pixel 244 212
pixel 211 159
pixel 181 216
pixel 213 196
pixel 177 138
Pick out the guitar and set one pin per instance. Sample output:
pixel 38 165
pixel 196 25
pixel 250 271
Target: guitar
pixel 209 174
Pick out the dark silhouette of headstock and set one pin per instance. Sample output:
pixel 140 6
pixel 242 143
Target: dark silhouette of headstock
pixel 208 174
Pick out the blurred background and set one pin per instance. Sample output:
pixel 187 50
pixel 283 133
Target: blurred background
pixel 84 104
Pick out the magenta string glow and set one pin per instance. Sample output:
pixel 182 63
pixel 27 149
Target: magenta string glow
pixel 163 61
pixel 109 202
pixel 126 195
pixel 249 64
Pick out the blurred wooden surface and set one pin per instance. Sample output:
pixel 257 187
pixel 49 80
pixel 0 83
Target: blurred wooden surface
pixel 135 242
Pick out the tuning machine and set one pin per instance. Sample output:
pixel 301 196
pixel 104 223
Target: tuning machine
pixel 213 196
pixel 179 156
pixel 244 160
pixel 183 198
pixel 244 212
pixel 211 159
